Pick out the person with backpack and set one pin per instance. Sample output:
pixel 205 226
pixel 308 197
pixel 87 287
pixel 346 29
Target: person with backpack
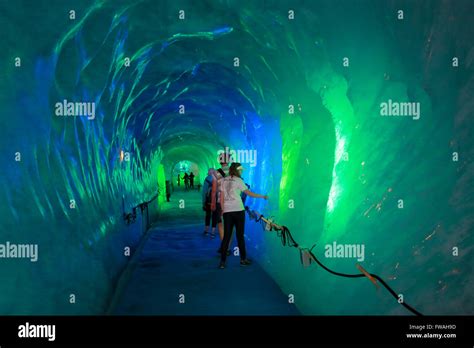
pixel 233 211
pixel 206 203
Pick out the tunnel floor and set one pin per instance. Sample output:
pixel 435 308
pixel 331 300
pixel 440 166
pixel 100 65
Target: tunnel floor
pixel 177 259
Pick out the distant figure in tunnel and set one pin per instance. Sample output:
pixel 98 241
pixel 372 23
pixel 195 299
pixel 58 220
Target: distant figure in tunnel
pixel 219 174
pixel 234 212
pixel 191 180
pixel 206 204
pixel 179 180
pixel 168 190
pixel 186 181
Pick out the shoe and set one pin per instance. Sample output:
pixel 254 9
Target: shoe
pixel 245 262
pixel 222 265
pixel 213 235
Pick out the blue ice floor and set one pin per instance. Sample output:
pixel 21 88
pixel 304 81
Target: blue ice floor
pixel 177 259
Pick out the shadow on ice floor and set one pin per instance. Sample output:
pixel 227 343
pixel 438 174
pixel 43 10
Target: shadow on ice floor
pixel 177 259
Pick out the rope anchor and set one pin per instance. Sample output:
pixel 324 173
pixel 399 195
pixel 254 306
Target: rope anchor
pixel 305 257
pixel 372 279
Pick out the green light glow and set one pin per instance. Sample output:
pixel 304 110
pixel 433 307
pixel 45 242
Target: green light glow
pixel 291 130
pixel 336 187
pixel 161 184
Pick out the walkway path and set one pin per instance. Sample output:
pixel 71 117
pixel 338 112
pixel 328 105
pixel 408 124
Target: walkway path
pixel 177 259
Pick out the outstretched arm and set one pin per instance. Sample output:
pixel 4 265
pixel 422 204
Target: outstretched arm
pixel 255 195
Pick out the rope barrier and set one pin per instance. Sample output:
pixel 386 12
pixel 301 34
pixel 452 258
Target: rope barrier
pixel 287 240
pixel 130 218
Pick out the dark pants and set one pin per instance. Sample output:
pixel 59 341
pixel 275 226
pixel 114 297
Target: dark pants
pixel 231 219
pixel 213 214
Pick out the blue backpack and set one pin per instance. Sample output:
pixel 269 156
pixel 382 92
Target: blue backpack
pixel 208 192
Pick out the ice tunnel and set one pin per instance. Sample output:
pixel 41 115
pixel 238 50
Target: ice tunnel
pixel 104 102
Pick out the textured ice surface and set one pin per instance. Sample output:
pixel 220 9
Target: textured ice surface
pixel 343 165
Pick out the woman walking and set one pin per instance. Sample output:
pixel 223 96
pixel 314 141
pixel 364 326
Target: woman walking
pixel 234 212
